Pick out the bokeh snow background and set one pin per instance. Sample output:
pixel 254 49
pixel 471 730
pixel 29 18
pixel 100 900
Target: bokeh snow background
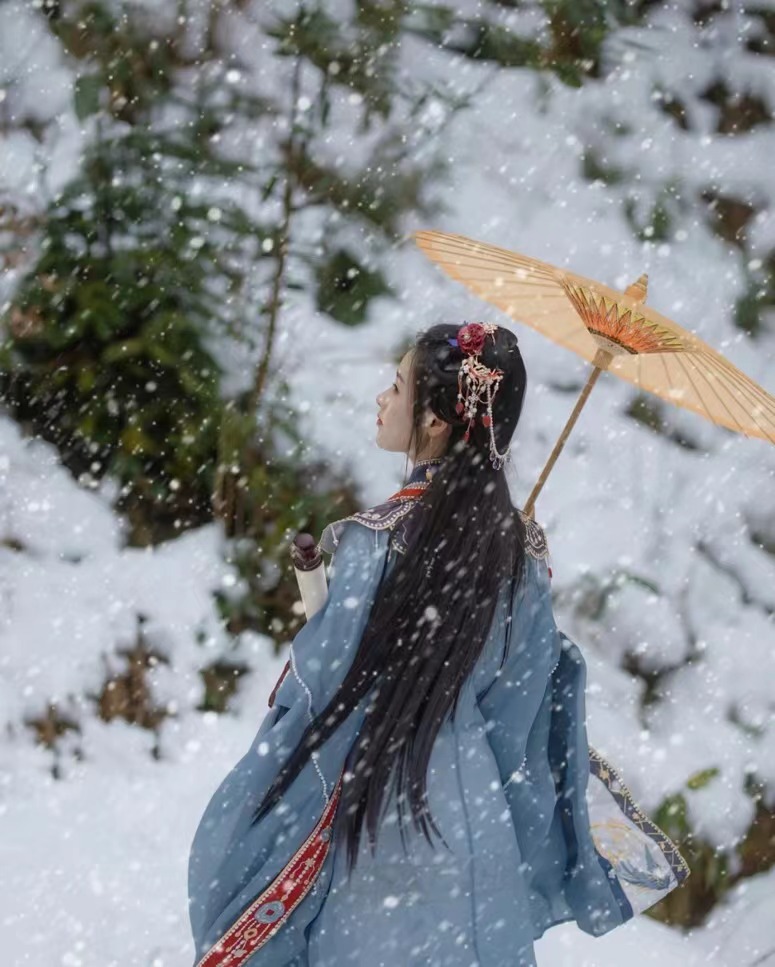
pixel 94 862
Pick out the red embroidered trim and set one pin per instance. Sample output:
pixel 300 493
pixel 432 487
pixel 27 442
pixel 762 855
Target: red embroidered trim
pixel 410 491
pixel 269 911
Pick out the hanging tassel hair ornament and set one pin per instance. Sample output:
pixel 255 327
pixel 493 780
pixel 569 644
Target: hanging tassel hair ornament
pixel 480 380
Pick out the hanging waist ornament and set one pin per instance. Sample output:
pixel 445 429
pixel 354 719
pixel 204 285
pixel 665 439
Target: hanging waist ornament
pixel 480 381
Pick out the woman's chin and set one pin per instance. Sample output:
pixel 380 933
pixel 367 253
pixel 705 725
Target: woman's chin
pixel 384 444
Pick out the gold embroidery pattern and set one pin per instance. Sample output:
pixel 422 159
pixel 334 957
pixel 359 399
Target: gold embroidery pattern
pixel 536 544
pixel 604 771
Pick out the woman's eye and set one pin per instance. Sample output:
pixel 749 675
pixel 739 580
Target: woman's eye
pixel 395 387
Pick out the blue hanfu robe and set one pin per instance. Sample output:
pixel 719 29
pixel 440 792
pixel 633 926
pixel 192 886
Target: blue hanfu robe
pixel 539 828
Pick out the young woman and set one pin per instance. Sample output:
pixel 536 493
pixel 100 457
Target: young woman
pixel 432 694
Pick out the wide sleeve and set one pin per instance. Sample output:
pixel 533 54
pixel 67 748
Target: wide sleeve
pixel 588 852
pixel 534 711
pixel 232 862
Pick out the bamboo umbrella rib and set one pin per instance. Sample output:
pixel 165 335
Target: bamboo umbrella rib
pixel 736 398
pixel 580 335
pixel 548 291
pixel 489 258
pixel 689 359
pixel 570 325
pixel 750 393
pixel 679 360
pixel 568 330
pixel 560 322
pixel 446 241
pixel 471 273
pixel 763 429
pixel 743 383
pixel 529 274
pixel 484 284
pixel 642 379
pixel 667 373
pixel 766 430
pixel 531 300
pixel 681 388
pixel 475 267
pixel 760 400
pixel 494 265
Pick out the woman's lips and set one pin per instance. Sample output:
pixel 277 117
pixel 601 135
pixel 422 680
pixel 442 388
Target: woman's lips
pixel 379 422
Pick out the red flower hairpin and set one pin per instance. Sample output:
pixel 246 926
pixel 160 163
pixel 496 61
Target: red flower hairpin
pixel 471 338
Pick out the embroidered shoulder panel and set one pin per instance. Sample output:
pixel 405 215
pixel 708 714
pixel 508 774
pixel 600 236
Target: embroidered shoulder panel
pixel 395 515
pixel 535 538
pixel 382 517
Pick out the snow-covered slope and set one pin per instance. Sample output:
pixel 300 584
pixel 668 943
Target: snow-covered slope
pixel 94 863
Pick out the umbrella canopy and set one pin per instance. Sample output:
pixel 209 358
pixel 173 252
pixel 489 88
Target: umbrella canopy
pixel 613 330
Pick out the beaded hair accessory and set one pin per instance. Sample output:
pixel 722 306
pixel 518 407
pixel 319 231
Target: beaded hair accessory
pixel 480 380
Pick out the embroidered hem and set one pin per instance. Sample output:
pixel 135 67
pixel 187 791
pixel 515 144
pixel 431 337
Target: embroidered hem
pixel 642 861
pixel 640 857
pixel 265 916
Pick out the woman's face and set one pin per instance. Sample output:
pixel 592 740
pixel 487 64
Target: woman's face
pixel 394 420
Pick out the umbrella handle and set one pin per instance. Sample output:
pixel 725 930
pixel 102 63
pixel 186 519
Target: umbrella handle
pixel 602 359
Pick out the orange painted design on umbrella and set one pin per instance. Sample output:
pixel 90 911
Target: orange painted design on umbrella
pixel 630 330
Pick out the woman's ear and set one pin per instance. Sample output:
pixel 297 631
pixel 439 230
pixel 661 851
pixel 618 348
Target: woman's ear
pixel 434 426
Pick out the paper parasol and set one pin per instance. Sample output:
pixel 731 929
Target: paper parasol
pixel 614 330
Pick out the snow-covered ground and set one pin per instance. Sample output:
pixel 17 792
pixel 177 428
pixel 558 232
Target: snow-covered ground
pixel 94 863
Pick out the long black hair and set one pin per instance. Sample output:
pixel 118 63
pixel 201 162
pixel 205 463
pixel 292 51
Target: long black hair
pixel 433 613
